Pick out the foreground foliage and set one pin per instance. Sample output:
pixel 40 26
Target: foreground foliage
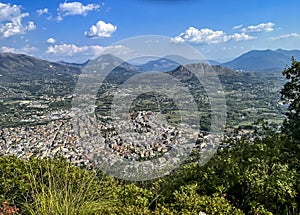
pixel 290 95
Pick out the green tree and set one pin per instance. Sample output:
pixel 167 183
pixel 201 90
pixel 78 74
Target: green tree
pixel 254 177
pixel 290 95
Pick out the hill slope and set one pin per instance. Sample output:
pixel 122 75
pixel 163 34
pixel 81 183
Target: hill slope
pixel 263 60
pixel 24 67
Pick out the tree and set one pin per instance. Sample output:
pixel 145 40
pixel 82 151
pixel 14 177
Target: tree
pixel 290 94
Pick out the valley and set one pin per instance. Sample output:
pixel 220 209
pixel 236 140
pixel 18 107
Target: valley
pixel 37 95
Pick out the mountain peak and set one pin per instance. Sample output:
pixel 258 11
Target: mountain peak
pixel 263 60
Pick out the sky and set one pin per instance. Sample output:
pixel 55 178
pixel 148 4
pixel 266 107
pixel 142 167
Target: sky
pixel 74 31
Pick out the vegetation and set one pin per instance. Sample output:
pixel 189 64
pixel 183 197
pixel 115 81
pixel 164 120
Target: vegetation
pixel 290 94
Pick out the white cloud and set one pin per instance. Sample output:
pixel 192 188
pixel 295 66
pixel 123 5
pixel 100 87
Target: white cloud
pixel 31 26
pixel 240 37
pixel 204 35
pixel 101 29
pixel 208 36
pixel 237 26
pixel 75 8
pixel 177 39
pixel 59 18
pixel 286 36
pixel 8 49
pixel 71 50
pixel 11 18
pixel 260 27
pixel 28 49
pixel 51 40
pixel 66 49
pixel 42 11
pixel 25 50
pixel 8 12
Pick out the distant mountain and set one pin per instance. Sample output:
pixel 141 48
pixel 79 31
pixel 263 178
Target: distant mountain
pixel 185 73
pixel 161 65
pixel 113 61
pixel 263 60
pixel 290 53
pixel 164 64
pixel 23 68
pixel 171 62
pixel 20 66
pixel 184 61
pixel 213 62
pixel 119 70
pixel 74 64
pixel 22 76
pixel 33 73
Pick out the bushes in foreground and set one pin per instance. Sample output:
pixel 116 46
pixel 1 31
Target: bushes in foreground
pixel 42 186
pixel 258 178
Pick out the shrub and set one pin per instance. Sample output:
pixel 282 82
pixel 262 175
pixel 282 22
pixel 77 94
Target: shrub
pixel 43 186
pixel 14 181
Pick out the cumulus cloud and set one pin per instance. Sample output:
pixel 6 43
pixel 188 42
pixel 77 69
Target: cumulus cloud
pixel 208 36
pixel 101 29
pixel 177 39
pixel 11 18
pixel 93 50
pixel 204 35
pixel 239 37
pixel 8 49
pixel 74 8
pixel 8 12
pixel 42 11
pixel 263 27
pixel 51 40
pixel 25 50
pixel 66 49
pixel 286 36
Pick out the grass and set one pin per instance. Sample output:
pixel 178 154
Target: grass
pixel 64 190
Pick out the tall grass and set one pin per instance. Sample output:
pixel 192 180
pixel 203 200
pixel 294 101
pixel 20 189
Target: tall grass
pixel 60 188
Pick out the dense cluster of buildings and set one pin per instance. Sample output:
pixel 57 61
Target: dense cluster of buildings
pixel 81 141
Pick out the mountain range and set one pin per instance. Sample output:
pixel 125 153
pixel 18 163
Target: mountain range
pixel 15 67
pixel 252 61
pixel 23 70
pixel 263 60
pixel 20 66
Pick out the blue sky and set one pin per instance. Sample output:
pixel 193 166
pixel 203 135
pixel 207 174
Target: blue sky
pixel 77 30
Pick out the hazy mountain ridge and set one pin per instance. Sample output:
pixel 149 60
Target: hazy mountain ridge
pixel 263 60
pixel 184 61
pixel 162 64
pixel 20 65
pixel 252 61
